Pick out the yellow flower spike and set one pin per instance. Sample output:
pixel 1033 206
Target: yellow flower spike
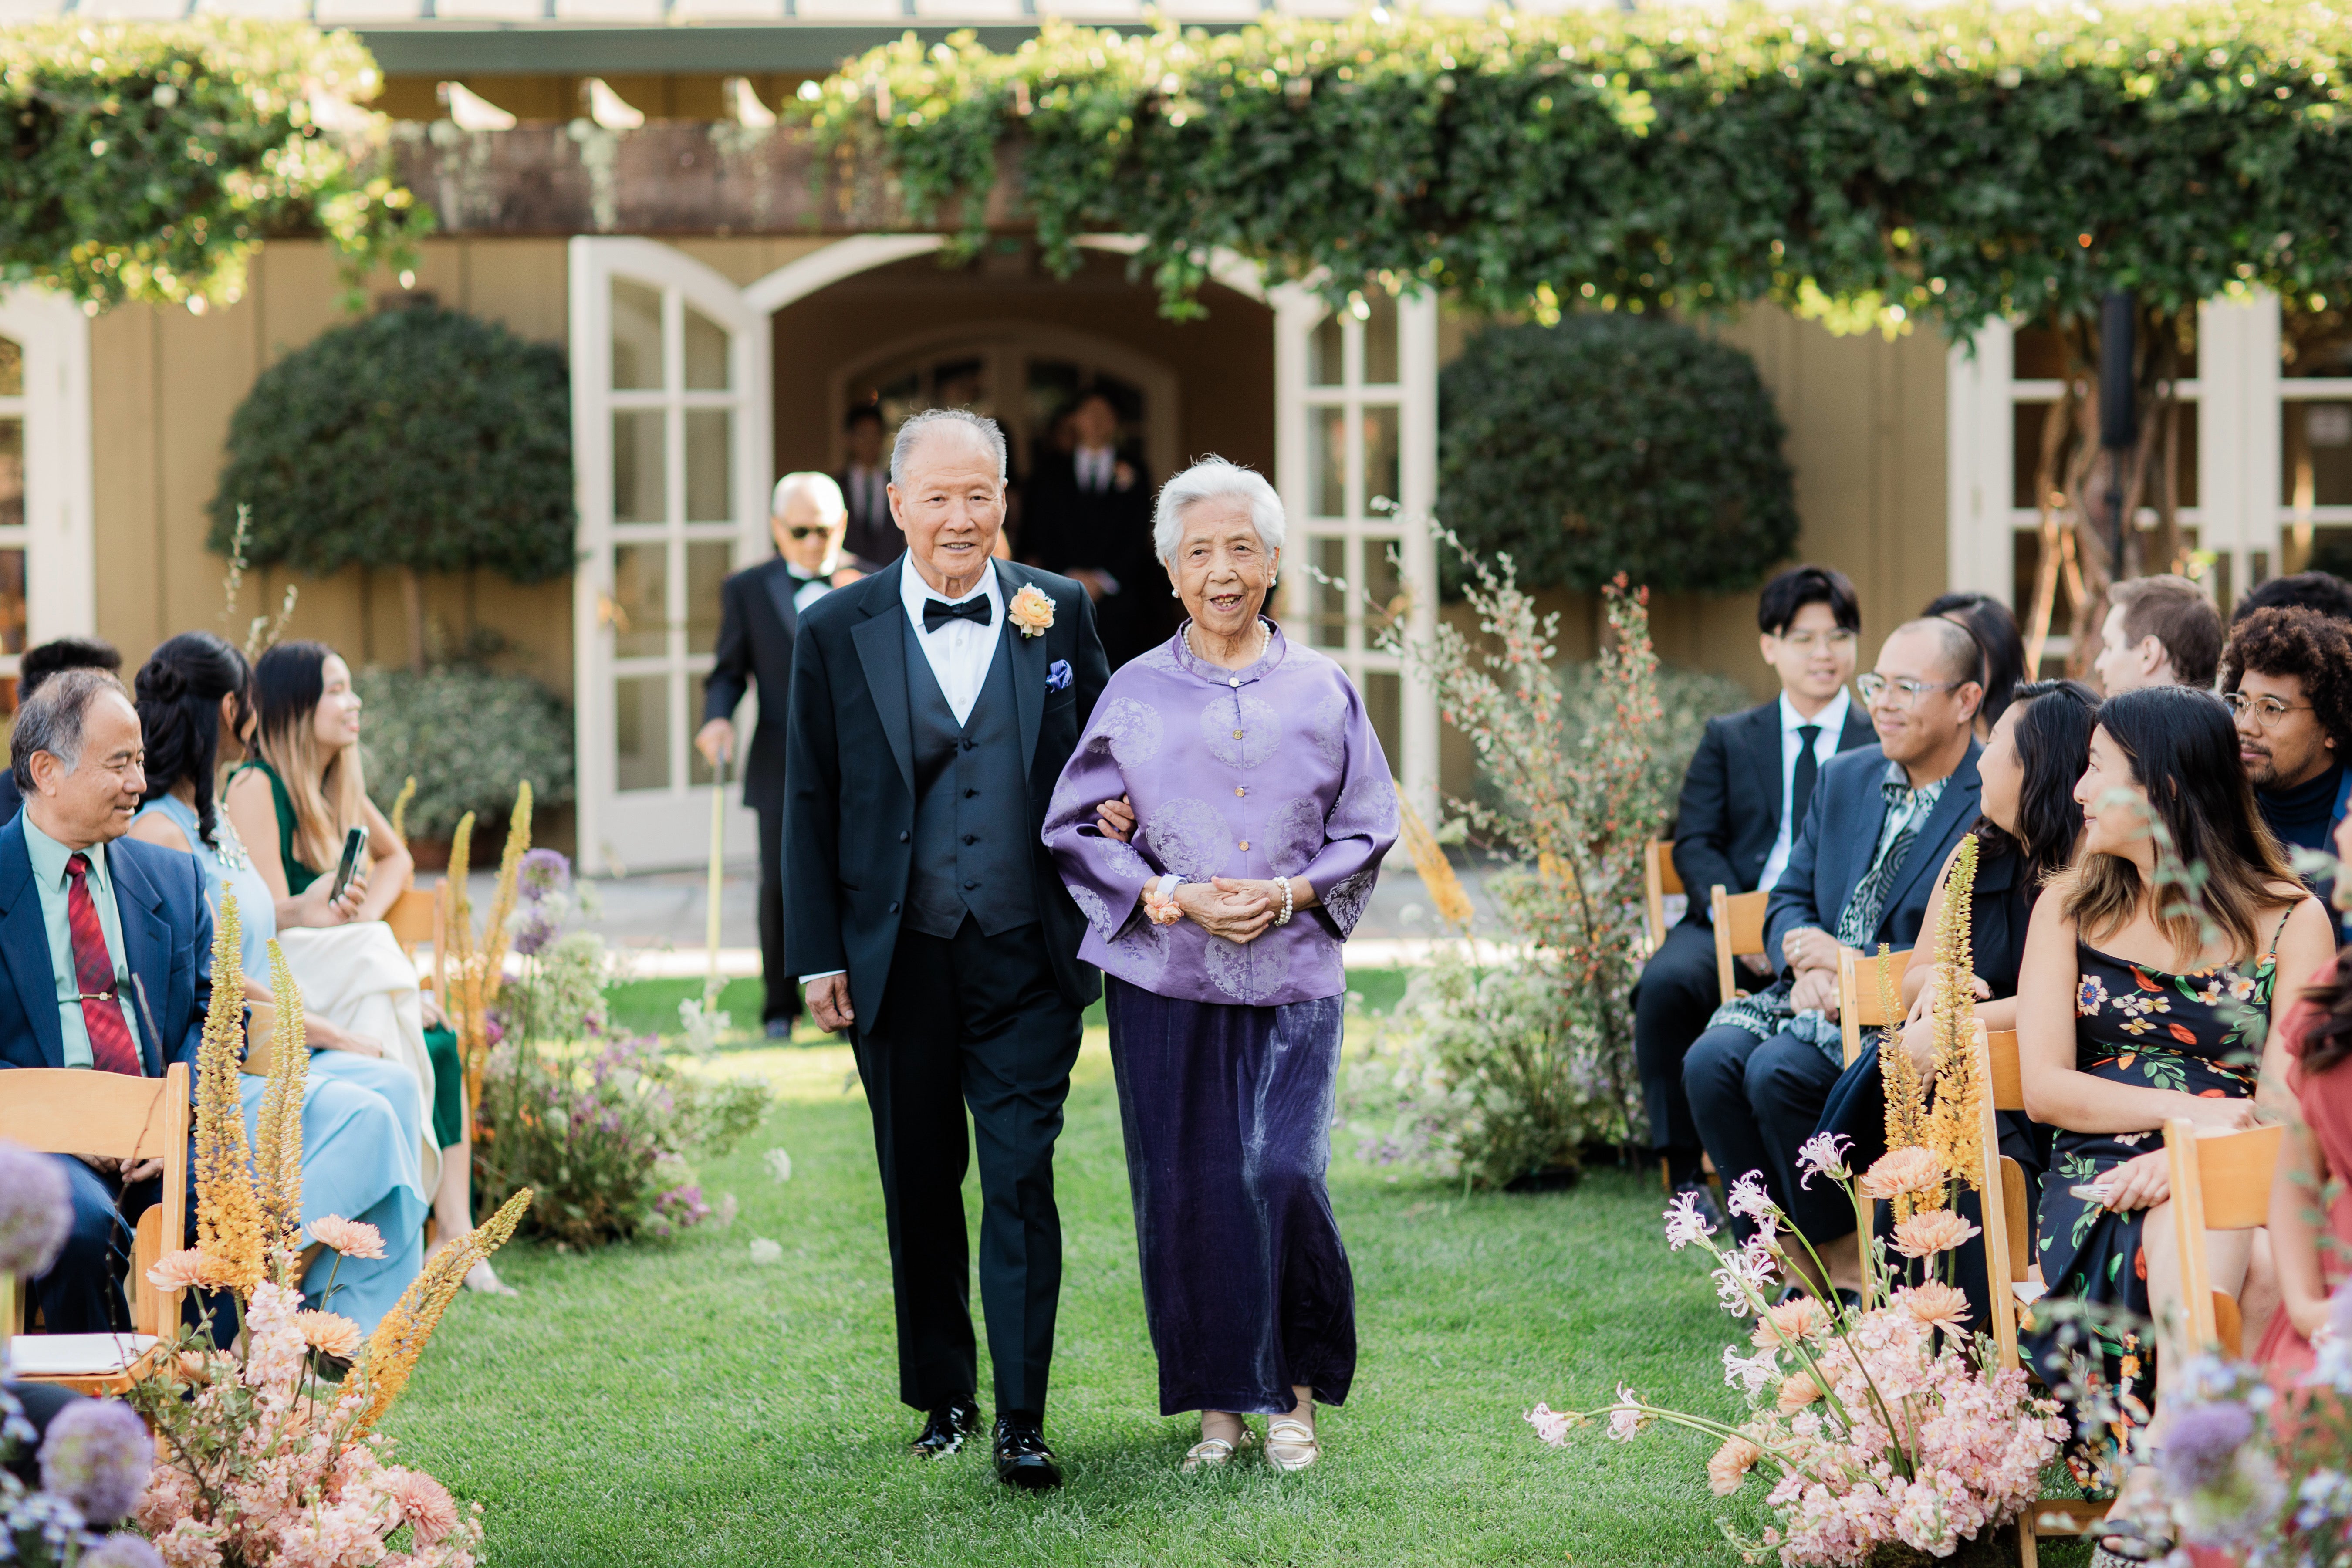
pixel 400 809
pixel 1907 1097
pixel 277 1143
pixel 230 1221
pixel 1953 1122
pixel 400 1339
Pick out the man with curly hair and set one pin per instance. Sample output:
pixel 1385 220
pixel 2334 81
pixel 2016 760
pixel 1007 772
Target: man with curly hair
pixel 2287 677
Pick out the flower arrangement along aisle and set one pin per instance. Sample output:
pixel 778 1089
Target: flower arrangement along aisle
pixel 264 1463
pixel 1891 1435
pixel 601 1127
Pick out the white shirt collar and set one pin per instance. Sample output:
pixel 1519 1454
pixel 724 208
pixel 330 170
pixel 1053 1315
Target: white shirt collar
pixel 913 591
pixel 1832 718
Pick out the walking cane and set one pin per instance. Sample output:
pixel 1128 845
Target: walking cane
pixel 711 982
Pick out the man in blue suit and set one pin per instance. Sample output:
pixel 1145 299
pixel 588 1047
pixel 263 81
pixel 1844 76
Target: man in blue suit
pixel 106 945
pixel 1881 821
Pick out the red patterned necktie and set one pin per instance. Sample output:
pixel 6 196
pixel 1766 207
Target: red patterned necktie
pixel 110 1047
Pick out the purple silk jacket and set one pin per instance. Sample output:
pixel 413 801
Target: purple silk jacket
pixel 1269 771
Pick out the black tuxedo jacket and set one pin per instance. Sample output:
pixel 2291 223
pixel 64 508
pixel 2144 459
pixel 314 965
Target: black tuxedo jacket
pixel 872 534
pixel 757 625
pixel 851 763
pixel 1064 526
pixel 1730 812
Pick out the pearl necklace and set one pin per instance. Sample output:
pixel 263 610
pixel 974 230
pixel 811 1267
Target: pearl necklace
pixel 1264 641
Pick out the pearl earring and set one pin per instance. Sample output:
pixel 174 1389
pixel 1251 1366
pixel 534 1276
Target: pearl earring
pixel 1174 595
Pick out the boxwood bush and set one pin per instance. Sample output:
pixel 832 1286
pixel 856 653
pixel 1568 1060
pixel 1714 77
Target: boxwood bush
pixel 1615 443
pixel 470 735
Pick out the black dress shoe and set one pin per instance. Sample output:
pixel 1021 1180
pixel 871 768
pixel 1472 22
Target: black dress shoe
pixel 1022 1457
pixel 949 1424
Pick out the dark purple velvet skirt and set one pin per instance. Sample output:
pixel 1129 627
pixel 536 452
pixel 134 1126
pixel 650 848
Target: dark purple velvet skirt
pixel 1227 1110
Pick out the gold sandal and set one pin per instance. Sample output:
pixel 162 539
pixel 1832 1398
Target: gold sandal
pixel 1291 1445
pixel 1210 1452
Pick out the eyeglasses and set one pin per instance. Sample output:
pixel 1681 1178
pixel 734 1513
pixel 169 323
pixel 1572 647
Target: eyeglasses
pixel 2266 711
pixel 815 530
pixel 1805 642
pixel 1898 694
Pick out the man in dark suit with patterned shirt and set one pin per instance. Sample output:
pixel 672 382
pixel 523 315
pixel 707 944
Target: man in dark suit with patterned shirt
pixel 1742 803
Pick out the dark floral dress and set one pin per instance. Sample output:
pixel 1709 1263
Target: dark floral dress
pixel 2196 1034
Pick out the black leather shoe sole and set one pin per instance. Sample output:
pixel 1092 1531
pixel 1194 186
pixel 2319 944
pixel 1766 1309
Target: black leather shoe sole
pixel 1029 1472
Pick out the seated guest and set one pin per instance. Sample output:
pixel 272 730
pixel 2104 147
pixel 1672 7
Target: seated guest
pixel 2287 678
pixel 2133 1005
pixel 2158 631
pixel 1995 628
pixel 107 950
pixel 292 805
pixel 1742 801
pixel 362 1115
pixel 1882 819
pixel 2314 1160
pixel 2027 772
pixel 36 665
pixel 2321 590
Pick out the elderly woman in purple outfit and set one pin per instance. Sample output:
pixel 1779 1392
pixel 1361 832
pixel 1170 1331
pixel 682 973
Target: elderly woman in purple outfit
pixel 1220 827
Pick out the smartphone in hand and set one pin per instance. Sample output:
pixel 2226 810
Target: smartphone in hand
pixel 354 845
pixel 2091 1192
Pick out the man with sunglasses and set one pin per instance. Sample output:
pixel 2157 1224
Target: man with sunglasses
pixel 2287 677
pixel 760 613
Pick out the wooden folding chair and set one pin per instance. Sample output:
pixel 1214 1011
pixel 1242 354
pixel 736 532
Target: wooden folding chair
pixel 2219 1182
pixel 76 1110
pixel 1859 1004
pixel 411 917
pixel 1659 879
pixel 2008 1252
pixel 1738 931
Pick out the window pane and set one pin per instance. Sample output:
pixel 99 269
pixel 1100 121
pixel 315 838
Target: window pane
pixel 2025 559
pixel 640 606
pixel 2315 467
pixel 639 479
pixel 636 335
pixel 1384 593
pixel 1331 627
pixel 709 464
pixel 706 561
pixel 641 731
pixel 2037 353
pixel 2027 422
pixel 1327 462
pixel 1381 341
pixel 12 368
pixel 11 473
pixel 12 601
pixel 705 353
pixel 1384 706
pixel 2185 456
pixel 1380 459
pixel 1326 362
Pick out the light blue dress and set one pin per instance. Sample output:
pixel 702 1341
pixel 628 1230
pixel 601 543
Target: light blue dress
pixel 361 1116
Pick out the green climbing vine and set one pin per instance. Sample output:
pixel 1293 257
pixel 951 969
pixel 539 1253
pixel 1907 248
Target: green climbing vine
pixel 147 161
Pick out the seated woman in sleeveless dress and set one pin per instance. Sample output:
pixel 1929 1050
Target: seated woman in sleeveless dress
pixel 2140 1001
pixel 361 1115
pixel 293 804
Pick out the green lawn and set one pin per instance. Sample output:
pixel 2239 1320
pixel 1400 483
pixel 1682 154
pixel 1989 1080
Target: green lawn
pixel 656 1406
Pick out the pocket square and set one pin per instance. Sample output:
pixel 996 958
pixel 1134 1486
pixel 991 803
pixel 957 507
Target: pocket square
pixel 1057 675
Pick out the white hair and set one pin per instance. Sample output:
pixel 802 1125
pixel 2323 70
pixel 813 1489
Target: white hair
pixel 978 425
pixel 1209 480
pixel 819 488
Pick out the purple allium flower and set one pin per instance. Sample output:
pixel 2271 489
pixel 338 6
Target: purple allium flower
pixel 544 872
pixel 2201 1442
pixel 97 1456
pixel 125 1550
pixel 35 1211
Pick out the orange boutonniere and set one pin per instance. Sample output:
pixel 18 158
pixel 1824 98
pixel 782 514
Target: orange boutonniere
pixel 1031 611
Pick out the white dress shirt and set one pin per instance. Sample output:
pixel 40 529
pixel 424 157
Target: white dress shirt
pixel 959 651
pixel 1094 467
pixel 1831 720
pixel 807 590
pixel 868 496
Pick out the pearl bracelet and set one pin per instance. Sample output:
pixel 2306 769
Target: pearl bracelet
pixel 1284 918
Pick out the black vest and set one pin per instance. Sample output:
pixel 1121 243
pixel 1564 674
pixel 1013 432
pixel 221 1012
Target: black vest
pixel 973 850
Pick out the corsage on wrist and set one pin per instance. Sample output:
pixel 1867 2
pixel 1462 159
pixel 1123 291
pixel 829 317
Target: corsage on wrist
pixel 1160 901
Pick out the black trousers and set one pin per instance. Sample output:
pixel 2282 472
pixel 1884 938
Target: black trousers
pixel 970 1021
pixel 782 998
pixel 1678 991
pixel 1754 1101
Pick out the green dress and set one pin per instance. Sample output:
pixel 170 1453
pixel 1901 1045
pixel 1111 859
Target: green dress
pixel 440 1042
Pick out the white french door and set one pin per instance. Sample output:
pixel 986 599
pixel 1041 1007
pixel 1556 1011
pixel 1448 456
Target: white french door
pixel 1356 401
pixel 670 399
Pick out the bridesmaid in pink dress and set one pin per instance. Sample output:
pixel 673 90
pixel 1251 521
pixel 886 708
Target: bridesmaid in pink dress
pixel 2311 1262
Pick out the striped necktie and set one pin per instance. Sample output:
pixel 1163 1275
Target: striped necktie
pixel 110 1046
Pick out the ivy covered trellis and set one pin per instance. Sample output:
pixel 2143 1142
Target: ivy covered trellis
pixel 1864 166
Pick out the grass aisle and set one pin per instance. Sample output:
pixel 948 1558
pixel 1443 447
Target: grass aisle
pixel 655 1405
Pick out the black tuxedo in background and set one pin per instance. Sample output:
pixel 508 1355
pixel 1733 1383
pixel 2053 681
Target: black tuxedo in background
pixel 991 1022
pixel 757 623
pixel 1065 525
pixel 1725 824
pixel 872 534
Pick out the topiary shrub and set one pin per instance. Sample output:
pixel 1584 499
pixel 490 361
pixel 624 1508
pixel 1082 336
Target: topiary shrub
pixel 1613 443
pixel 468 736
pixel 422 440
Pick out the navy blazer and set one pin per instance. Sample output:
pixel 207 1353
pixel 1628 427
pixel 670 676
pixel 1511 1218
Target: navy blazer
pixel 167 942
pixel 1840 834
pixel 850 774
pixel 1730 812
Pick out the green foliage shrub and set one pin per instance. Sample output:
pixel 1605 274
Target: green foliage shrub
pixel 1610 444
pixel 468 735
pixel 423 439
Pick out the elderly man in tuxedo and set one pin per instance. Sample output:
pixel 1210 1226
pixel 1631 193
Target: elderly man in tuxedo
pixel 106 944
pixel 759 615
pixel 934 704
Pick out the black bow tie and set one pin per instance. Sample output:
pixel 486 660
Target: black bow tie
pixel 977 609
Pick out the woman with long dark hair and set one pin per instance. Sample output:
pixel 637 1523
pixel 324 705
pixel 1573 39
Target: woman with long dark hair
pixel 2139 1000
pixel 2003 647
pixel 362 1115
